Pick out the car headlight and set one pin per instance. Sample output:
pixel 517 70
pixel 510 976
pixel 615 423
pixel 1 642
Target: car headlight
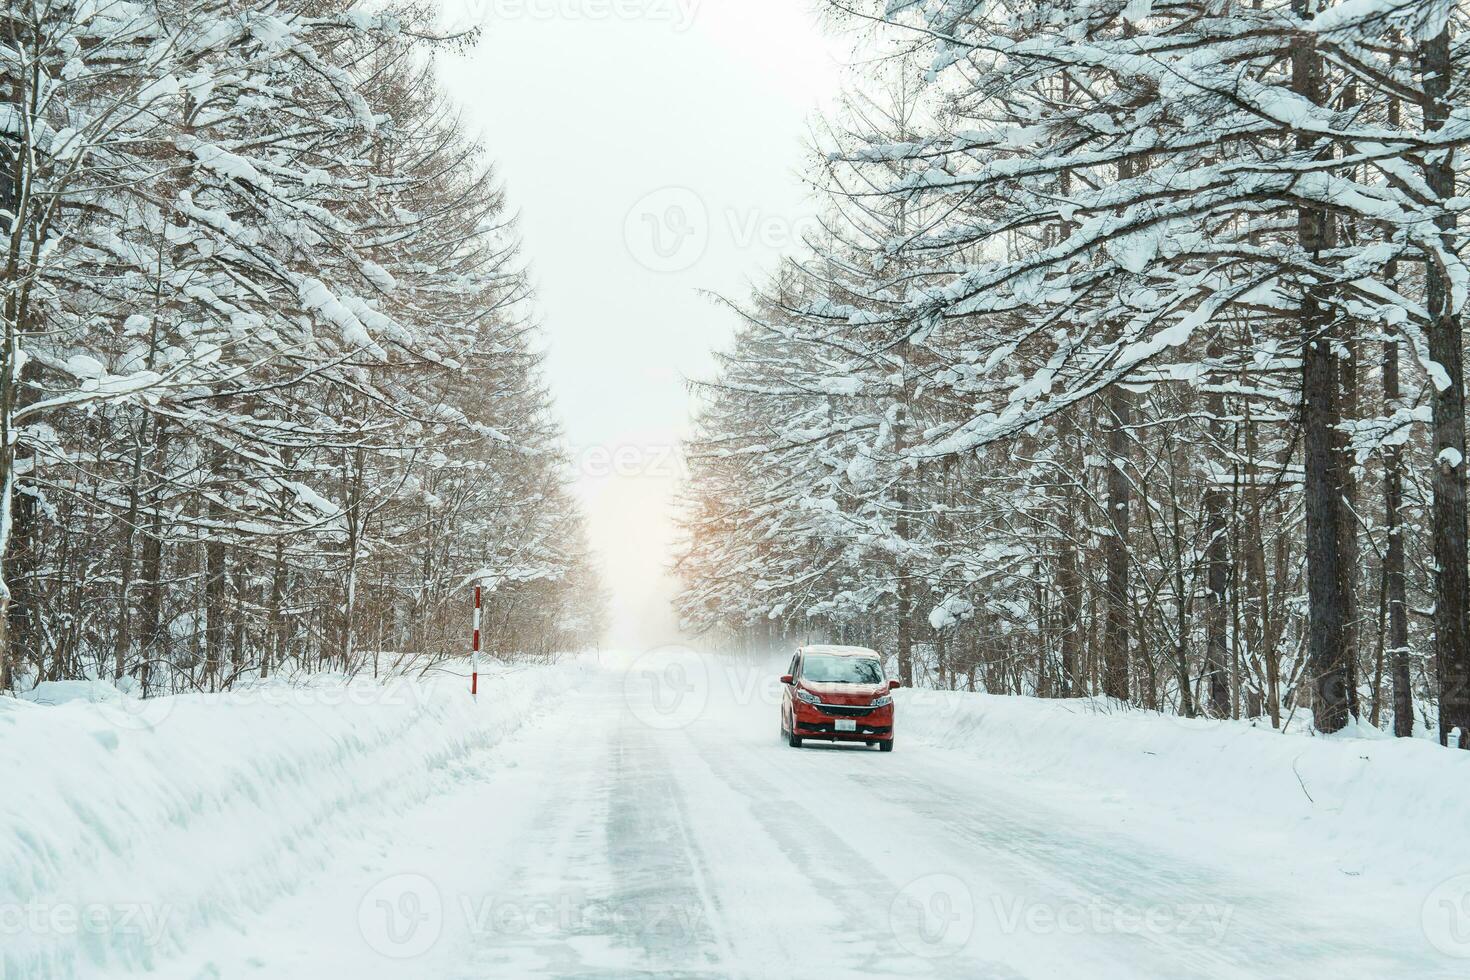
pixel 882 701
pixel 808 696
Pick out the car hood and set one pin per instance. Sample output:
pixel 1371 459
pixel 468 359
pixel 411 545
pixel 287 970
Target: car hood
pixel 846 693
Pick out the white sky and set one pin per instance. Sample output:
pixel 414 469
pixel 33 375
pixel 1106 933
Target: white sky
pixel 653 148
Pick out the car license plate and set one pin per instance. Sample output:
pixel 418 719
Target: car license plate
pixel 845 725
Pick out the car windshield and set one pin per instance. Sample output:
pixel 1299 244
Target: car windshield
pixel 825 669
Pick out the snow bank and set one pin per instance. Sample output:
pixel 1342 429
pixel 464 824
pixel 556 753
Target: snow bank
pixel 128 826
pixel 1348 800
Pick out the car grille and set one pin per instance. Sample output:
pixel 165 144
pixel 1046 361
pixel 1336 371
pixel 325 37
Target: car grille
pixel 803 727
pixel 845 710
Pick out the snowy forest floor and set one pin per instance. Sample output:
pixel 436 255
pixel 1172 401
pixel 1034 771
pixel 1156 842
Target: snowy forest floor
pixel 640 816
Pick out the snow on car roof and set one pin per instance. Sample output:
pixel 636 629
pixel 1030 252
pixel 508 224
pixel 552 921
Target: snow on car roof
pixel 837 650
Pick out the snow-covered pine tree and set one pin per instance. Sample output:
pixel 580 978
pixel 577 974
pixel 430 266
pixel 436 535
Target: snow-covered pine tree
pixel 264 303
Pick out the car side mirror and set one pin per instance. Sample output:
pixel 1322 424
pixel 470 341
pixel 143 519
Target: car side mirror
pixel 894 684
pixel 787 679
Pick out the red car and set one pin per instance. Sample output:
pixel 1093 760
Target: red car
pixel 837 694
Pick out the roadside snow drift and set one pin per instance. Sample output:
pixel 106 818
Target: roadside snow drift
pixel 651 822
pixel 127 826
pixel 1362 801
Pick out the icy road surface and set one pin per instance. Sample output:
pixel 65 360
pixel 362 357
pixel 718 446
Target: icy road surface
pixel 652 824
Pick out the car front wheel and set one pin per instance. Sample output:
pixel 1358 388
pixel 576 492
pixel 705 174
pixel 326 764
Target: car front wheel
pixel 886 746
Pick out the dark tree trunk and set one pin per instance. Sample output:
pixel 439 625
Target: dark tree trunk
pixel 1069 576
pixel 902 586
pixel 904 632
pixel 1451 604
pixel 1395 582
pixel 275 642
pixel 1217 578
pixel 150 607
pixel 356 530
pixel 1393 560
pixel 1115 680
pixel 124 640
pixel 1070 586
pixel 1327 671
pixel 1327 665
pixel 11 182
pixel 1347 561
pixel 215 618
pixel 22 634
pixel 1188 703
pixel 23 566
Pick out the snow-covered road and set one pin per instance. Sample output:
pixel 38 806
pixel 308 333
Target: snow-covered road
pixel 653 824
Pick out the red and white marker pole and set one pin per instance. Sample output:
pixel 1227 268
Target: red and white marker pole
pixel 475 650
